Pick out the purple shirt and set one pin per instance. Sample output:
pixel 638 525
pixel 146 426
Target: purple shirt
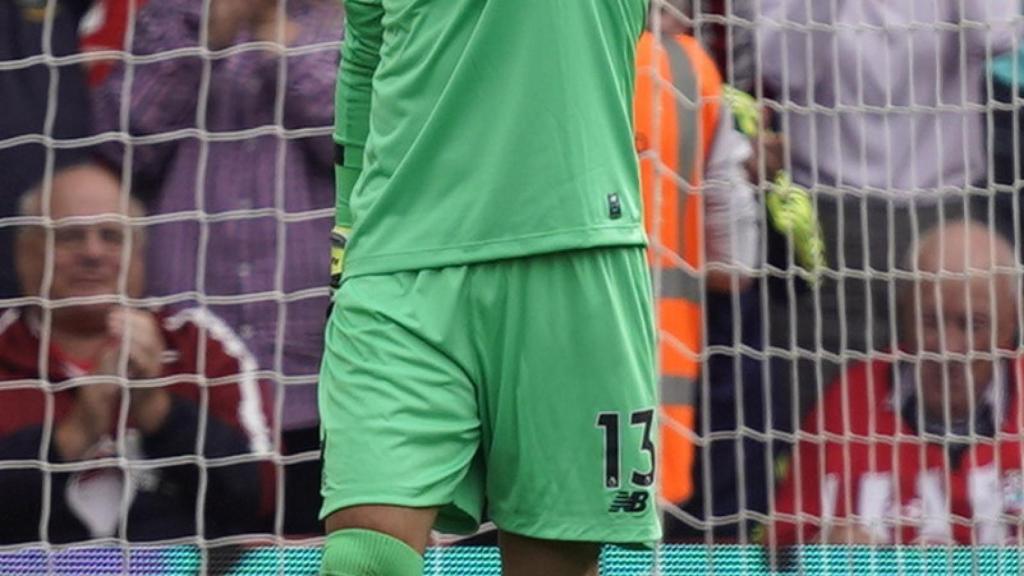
pixel 256 210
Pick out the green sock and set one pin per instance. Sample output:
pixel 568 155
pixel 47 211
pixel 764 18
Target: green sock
pixel 368 553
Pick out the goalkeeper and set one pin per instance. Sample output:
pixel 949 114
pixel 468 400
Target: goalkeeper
pixel 491 341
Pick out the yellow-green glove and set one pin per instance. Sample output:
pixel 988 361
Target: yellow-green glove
pixel 744 109
pixel 791 212
pixel 790 208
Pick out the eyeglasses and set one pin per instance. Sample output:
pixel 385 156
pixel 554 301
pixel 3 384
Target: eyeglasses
pixel 111 235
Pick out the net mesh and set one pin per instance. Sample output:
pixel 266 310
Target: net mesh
pixel 894 120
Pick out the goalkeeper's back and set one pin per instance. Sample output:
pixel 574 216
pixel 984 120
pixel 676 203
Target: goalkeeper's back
pixel 478 130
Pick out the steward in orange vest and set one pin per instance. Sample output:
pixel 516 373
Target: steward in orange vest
pixel 680 124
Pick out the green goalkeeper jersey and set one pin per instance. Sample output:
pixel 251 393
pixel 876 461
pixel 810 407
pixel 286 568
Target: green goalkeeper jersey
pixel 478 130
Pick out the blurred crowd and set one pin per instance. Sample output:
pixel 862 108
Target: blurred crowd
pixel 832 197
pixel 222 139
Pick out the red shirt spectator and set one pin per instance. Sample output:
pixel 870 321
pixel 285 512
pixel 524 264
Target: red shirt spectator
pixel 927 449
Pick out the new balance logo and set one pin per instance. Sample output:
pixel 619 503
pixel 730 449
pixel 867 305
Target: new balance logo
pixel 631 502
pixel 614 206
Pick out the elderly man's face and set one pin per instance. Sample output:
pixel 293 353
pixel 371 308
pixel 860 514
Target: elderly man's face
pixel 87 255
pixel 959 316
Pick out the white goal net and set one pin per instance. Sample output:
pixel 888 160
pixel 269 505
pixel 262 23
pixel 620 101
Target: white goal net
pixel 831 192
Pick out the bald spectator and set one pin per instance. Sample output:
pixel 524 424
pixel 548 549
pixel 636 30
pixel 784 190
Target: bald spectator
pixel 64 366
pixel 924 446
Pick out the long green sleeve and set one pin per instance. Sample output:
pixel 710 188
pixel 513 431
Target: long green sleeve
pixel 360 55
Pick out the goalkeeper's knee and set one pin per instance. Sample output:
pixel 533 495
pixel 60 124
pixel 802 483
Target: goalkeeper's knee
pixel 356 552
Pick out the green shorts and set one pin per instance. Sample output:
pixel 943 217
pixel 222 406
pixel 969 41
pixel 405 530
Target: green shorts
pixel 522 387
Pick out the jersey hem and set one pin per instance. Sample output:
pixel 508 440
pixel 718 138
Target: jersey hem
pixel 523 246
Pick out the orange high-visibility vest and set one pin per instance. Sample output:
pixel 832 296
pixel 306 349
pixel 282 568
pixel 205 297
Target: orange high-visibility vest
pixel 678 98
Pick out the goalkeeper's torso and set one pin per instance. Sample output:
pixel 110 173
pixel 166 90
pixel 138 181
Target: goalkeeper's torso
pixel 498 129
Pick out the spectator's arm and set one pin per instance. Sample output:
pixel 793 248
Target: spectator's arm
pixel 236 494
pixel 237 402
pixel 163 95
pixel 360 55
pixel 730 208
